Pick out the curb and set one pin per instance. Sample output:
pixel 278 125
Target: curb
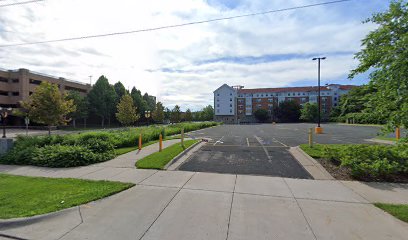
pixel 176 158
pixel 313 167
pixel 380 141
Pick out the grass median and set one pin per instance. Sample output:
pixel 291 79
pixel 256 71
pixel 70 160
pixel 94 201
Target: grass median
pixel 399 211
pixel 22 196
pixel 158 160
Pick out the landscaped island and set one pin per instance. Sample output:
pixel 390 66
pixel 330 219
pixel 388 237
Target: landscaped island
pixel 87 148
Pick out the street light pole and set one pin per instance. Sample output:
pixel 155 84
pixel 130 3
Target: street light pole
pixel 318 129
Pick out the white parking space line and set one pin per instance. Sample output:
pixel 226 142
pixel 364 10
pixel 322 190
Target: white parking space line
pixel 247 142
pixel 218 141
pixel 280 142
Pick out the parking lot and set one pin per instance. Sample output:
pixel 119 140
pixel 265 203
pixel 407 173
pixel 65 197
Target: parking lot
pixel 262 149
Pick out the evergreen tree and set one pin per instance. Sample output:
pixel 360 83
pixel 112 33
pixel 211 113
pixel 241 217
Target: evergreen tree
pixel 158 113
pixel 188 116
pixel 102 99
pixel 176 114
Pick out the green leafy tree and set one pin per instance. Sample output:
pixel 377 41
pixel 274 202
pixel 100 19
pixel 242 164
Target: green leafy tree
pixel 81 105
pixel 126 111
pixel 102 99
pixel 120 91
pixel 261 115
pixel 309 112
pixel 158 113
pixel 167 114
pixel 188 115
pixel 47 105
pixel 207 114
pixel 385 52
pixel 288 111
pixel 176 114
pixel 150 102
pixel 138 101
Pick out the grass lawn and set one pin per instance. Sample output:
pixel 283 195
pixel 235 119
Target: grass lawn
pixel 120 151
pixel 317 150
pixel 399 211
pixel 22 196
pixel 159 159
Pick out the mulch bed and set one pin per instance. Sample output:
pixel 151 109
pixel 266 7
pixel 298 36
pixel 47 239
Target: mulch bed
pixel 344 173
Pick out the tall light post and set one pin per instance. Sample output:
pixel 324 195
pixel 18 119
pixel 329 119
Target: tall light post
pixel 318 129
pixel 4 113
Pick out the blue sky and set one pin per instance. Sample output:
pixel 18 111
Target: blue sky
pixel 183 66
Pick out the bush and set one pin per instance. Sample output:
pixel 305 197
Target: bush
pixel 371 160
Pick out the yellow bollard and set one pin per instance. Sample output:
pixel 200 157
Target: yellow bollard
pixel 160 142
pixel 397 133
pixel 140 142
pixel 311 137
pixel 182 137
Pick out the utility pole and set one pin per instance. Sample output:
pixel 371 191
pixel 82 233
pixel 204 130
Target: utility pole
pixel 318 129
pixel 90 80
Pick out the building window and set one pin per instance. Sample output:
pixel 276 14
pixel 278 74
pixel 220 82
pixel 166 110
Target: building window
pixel 3 79
pixel 218 94
pixel 218 100
pixel 304 94
pixel 335 99
pixel 288 94
pixel 15 93
pixel 218 110
pixel 35 82
pixel 230 105
pixel 15 80
pixel 3 93
pixel 218 105
pixel 298 94
pixel 335 94
pixel 230 110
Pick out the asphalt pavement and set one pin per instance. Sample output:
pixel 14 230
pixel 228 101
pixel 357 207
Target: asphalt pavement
pixel 262 149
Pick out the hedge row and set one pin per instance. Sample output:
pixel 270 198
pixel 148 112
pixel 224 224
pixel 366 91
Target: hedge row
pixel 87 148
pixel 370 161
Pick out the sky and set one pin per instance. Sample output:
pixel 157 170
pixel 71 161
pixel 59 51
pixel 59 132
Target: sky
pixel 185 65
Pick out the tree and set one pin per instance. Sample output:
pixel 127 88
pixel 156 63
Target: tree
pixel 120 91
pixel 138 101
pixel 261 115
pixel 288 111
pixel 102 99
pixel 188 116
pixel 385 52
pixel 81 105
pixel 47 105
pixel 309 112
pixel 207 113
pixel 150 102
pixel 127 113
pixel 167 114
pixel 176 114
pixel 158 114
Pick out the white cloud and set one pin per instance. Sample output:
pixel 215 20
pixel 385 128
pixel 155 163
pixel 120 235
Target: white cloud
pixel 128 58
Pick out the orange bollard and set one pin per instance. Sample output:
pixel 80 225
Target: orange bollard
pixel 140 142
pixel 397 133
pixel 160 143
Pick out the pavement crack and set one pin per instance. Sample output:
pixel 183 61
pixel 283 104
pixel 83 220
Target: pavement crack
pixel 166 206
pixel 232 201
pixel 82 221
pixel 301 210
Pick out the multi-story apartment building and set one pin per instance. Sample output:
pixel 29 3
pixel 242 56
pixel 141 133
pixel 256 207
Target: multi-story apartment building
pixel 17 85
pixel 237 104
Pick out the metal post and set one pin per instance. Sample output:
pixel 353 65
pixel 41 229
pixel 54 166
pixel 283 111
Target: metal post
pixel 182 137
pixel 311 137
pixel 397 133
pixel 318 99
pixel 160 142
pixel 140 142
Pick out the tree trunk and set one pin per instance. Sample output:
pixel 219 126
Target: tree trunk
pixel 109 121
pixel 84 122
pixel 103 122
pixel 74 122
pixel 49 130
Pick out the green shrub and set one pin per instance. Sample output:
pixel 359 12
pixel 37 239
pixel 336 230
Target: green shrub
pixel 66 156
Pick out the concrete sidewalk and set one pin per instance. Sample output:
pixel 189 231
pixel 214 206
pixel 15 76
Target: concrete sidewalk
pixel 189 205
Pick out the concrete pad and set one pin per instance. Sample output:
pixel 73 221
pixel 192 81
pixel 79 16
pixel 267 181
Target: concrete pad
pixel 193 214
pixel 19 170
pixel 322 190
pixel 76 172
pixel 41 172
pixel 7 168
pixel 264 217
pixel 124 216
pixel 396 193
pixel 103 174
pixel 168 179
pixel 212 182
pixel 271 186
pixel 51 226
pixel 133 175
pixel 339 220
